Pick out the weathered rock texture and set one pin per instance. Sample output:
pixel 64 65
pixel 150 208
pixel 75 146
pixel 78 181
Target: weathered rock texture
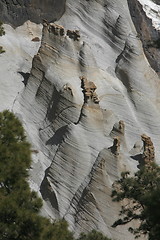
pixel 150 36
pixel 115 149
pixel 90 95
pixel 89 90
pixel 16 12
pixel 148 152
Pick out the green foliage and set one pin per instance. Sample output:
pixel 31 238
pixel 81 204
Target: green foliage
pixel 19 206
pixel 141 195
pixel 1 50
pixel 15 154
pixel 57 231
pixel 93 235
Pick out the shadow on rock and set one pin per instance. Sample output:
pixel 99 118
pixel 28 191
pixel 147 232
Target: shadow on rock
pixel 47 192
pixel 57 137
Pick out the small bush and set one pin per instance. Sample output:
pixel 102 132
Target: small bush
pixel 93 235
pixel 1 50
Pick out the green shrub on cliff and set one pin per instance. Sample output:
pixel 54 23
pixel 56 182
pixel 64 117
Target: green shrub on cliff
pixel 93 235
pixel 19 206
pixel 140 198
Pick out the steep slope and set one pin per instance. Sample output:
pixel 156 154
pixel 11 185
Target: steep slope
pixel 16 62
pixel 90 96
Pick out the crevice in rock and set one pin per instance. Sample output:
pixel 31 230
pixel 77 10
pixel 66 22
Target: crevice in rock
pixel 57 137
pixel 25 77
pixel 48 193
pixel 51 111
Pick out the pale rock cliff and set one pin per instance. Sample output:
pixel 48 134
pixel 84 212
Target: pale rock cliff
pixel 90 108
pixel 16 62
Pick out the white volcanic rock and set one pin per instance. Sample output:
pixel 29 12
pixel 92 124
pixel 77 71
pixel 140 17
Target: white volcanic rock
pixel 19 51
pixel 152 11
pixel 86 134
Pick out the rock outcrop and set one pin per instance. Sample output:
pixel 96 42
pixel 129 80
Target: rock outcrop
pixel 83 127
pixel 56 29
pixel 73 34
pixel 148 152
pixel 80 116
pixel 89 90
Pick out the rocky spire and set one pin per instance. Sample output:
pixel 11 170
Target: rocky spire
pixel 89 90
pixel 148 152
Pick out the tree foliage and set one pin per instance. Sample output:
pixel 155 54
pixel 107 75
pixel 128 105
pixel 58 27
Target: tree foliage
pixel 140 197
pixel 93 235
pixel 19 206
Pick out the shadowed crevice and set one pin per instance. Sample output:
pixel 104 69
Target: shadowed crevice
pixel 57 137
pixel 48 193
pixel 25 76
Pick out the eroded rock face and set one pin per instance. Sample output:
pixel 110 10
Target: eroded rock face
pixel 148 153
pixel 84 106
pixel 16 12
pixel 73 34
pixel 56 29
pixel 89 90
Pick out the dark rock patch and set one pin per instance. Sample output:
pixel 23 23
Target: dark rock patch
pixel 16 12
pixel 25 76
pixel 149 36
